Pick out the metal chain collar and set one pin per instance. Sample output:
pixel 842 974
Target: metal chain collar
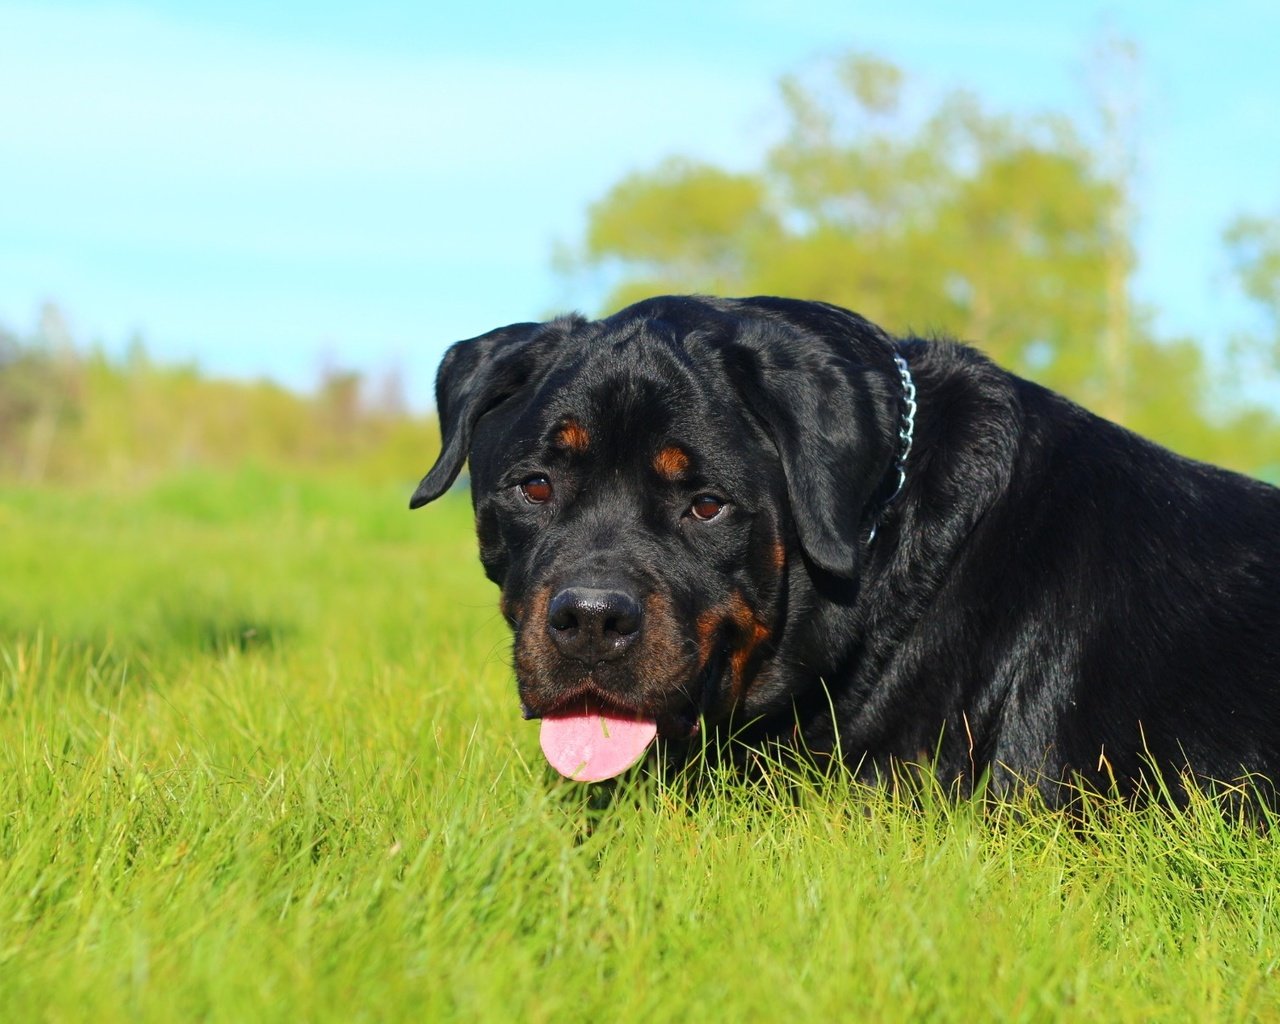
pixel 906 436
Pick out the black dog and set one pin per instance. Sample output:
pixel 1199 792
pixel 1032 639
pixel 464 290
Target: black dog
pixel 769 512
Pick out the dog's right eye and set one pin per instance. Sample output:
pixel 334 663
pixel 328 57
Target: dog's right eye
pixel 706 507
pixel 536 490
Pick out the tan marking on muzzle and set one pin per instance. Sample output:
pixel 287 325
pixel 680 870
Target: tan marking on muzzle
pixel 706 628
pixel 751 634
pixel 746 633
pixel 512 611
pixel 660 643
pixel 531 657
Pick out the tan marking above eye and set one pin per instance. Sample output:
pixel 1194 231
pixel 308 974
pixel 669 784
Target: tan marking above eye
pixel 574 436
pixel 671 462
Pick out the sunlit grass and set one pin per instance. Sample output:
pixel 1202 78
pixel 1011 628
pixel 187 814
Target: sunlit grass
pixel 260 758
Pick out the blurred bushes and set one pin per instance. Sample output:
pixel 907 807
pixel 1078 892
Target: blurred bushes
pixel 72 415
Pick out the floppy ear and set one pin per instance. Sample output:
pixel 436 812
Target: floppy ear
pixel 823 382
pixel 475 376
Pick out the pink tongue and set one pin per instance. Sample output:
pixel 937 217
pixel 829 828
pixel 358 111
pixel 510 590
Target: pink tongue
pixel 588 745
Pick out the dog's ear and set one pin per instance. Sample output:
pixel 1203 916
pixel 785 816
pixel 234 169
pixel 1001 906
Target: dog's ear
pixel 823 382
pixel 475 376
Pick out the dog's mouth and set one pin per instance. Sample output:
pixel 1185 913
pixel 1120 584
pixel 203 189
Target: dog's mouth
pixel 589 737
pixel 591 742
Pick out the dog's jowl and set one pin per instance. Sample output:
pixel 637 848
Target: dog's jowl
pixel 770 516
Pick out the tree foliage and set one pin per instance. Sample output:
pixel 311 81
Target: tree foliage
pixel 939 218
pixel 1253 246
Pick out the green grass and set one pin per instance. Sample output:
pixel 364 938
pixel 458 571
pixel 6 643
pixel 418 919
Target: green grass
pixel 260 759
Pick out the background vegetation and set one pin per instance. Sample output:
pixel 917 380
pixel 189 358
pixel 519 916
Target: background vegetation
pixel 943 217
pixel 71 414
pixel 259 754
pixel 930 217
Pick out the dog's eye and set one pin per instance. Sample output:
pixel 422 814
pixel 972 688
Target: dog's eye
pixel 706 507
pixel 536 490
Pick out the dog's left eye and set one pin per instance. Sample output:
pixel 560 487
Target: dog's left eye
pixel 706 507
pixel 536 490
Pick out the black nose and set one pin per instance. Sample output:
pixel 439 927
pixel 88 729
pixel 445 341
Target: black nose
pixel 593 625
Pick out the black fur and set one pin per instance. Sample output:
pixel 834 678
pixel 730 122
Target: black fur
pixel 1050 598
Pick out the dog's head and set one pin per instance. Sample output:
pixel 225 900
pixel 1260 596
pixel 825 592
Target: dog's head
pixel 658 495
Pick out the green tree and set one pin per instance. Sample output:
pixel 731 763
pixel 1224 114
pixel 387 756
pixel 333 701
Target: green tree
pixel 959 221
pixel 1010 232
pixel 1253 247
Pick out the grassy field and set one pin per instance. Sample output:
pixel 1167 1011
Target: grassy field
pixel 260 759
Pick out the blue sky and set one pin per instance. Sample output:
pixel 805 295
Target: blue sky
pixel 258 186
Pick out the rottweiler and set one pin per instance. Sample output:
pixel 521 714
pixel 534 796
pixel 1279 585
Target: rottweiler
pixel 770 516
